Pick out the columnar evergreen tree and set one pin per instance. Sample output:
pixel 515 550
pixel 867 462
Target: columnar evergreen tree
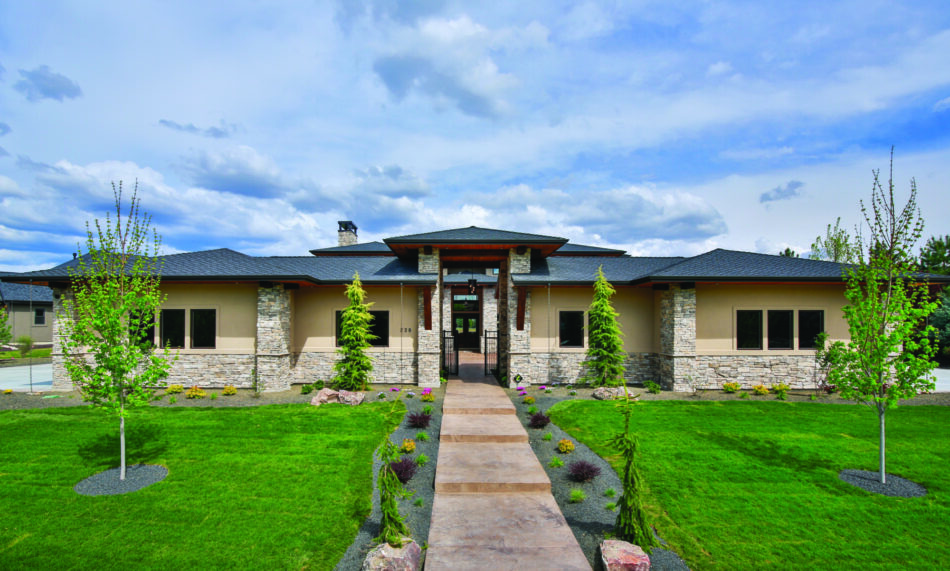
pixel 5 333
pixel 836 246
pixel 116 298
pixel 631 524
pixel 605 355
pixel 889 355
pixel 393 527
pixel 354 366
pixel 788 253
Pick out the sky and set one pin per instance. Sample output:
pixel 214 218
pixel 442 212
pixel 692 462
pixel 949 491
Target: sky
pixel 661 128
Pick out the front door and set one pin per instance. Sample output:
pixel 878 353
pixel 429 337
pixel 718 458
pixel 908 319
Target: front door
pixel 467 331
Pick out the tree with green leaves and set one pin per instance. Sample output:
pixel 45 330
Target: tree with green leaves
pixel 789 253
pixel 940 321
pixel 114 305
pixel 889 356
pixel 631 524
pixel 836 246
pixel 935 255
pixel 5 332
pixel 354 366
pixel 605 355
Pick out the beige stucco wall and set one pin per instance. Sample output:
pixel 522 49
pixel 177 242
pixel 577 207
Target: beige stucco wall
pixel 314 325
pixel 716 305
pixel 635 306
pixel 20 319
pixel 236 306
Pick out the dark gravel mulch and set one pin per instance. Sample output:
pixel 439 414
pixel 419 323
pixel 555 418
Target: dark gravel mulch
pixel 107 483
pixel 895 487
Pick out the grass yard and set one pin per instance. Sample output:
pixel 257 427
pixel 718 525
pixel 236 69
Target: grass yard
pixel 35 353
pixel 741 485
pixel 269 487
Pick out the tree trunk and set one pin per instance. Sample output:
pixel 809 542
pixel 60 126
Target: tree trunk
pixel 122 448
pixel 880 414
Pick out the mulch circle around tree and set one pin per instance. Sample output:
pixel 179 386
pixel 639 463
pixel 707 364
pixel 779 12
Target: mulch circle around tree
pixel 895 487
pixel 107 483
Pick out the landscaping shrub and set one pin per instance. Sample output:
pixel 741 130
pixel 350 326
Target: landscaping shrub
pixel 760 390
pixel 652 387
pixel 731 387
pixel 565 446
pixel 229 390
pixel 556 462
pixel 419 420
pixel 427 409
pixel 781 390
pixel 547 437
pixel 422 460
pixel 577 496
pixel 306 389
pixel 174 389
pixel 427 395
pixel 539 420
pixel 528 400
pixel 196 392
pixel 582 471
pixel 422 437
pixel 404 469
pixel 408 446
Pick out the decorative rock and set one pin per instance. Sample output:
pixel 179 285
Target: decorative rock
pixel 607 393
pixel 616 555
pixel 388 558
pixel 326 396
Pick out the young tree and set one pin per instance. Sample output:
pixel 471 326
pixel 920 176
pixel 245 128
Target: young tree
pixel 935 255
pixel 631 524
pixel 836 246
pixel 5 332
pixel 605 354
pixel 889 355
pixel 789 253
pixel 115 301
pixel 392 528
pixel 354 366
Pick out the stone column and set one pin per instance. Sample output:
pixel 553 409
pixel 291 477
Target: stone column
pixel 518 341
pixel 273 338
pixel 61 379
pixel 428 343
pixel 677 358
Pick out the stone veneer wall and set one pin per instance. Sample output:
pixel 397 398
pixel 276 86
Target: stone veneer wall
pixel 388 368
pixel 489 311
pixel 676 361
pixel 797 371
pixel 212 370
pixel 273 338
pixel 567 367
pixel 428 354
pixel 61 380
pixel 429 263
pixel 519 341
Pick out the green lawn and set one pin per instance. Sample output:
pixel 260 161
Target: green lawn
pixel 270 487
pixel 35 353
pixel 741 485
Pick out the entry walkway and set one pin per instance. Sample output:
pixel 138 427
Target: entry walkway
pixel 493 507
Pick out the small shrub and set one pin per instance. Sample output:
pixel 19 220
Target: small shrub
pixel 8 391
pixel 419 502
pixel 229 390
pixel 408 446
pixel 532 409
pixel 781 391
pixel 427 396
pixel 214 396
pixel 548 391
pixel 174 389
pixel 427 409
pixel 419 420
pixel 610 492
pixel 410 395
pixel 577 496
pixel 652 387
pixel 731 387
pixel 744 396
pixel 610 506
pixel 404 469
pixel 528 400
pixel 556 462
pixel 573 393
pixel 760 390
pixel 317 385
pixel 422 460
pixel 547 437
pixel 306 389
pixel 813 397
pixel 172 399
pixel 830 389
pixel 381 396
pixel 539 420
pixel 582 471
pixel 565 446
pixel 196 392
pixel 24 345
pixel 422 437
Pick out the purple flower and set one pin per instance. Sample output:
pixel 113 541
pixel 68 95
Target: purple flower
pixel 395 389
pixel 520 388
pixel 542 387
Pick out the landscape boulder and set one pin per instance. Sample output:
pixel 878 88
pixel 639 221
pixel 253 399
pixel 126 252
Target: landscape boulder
pixel 616 555
pixel 330 396
pixel 607 393
pixel 385 557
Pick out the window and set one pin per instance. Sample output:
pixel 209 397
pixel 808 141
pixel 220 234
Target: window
pixel 780 329
pixel 202 328
pixel 39 316
pixel 571 328
pixel 172 326
pixel 749 329
pixel 811 322
pixel 464 302
pixel 379 327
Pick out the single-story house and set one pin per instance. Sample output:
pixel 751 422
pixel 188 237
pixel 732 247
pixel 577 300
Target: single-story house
pixel 29 311
pixel 520 299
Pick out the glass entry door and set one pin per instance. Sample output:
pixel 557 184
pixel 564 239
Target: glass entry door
pixel 467 331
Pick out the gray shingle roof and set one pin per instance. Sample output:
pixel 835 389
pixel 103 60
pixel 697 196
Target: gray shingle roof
pixel 374 248
pixel 733 265
pixel 577 249
pixel 21 293
pixel 583 270
pixel 340 269
pixel 474 234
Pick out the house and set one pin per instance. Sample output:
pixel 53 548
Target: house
pixel 520 299
pixel 29 311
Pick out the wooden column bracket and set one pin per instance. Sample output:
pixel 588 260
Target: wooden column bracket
pixel 427 306
pixel 522 302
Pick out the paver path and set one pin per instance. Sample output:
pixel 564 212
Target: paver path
pixel 493 507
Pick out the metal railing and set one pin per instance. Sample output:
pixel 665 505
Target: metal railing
pixel 450 355
pixel 490 350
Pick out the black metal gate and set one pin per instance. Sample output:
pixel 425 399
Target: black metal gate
pixel 490 350
pixel 450 354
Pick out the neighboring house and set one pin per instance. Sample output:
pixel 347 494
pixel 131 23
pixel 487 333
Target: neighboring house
pixel 520 299
pixel 29 310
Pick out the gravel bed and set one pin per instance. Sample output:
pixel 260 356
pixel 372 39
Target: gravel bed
pixel 107 483
pixel 589 519
pixel 895 487
pixel 422 484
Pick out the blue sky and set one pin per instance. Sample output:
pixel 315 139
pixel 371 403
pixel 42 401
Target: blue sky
pixel 663 128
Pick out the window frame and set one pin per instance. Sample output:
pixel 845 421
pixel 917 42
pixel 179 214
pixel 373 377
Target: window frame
pixel 164 340
pixel 381 341
pixel 193 322
pixel 759 328
pixel 772 324
pixel 188 325
pixel 39 312
pixel 821 328
pixel 561 313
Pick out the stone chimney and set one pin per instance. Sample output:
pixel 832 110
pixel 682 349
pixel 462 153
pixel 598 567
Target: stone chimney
pixel 346 234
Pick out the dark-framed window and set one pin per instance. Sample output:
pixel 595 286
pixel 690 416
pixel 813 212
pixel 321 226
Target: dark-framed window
pixel 39 316
pixel 811 322
pixel 570 328
pixel 464 302
pixel 379 326
pixel 749 329
pixel 781 331
pixel 203 328
pixel 172 328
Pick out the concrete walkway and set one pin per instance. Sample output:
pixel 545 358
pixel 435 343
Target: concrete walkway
pixel 493 507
